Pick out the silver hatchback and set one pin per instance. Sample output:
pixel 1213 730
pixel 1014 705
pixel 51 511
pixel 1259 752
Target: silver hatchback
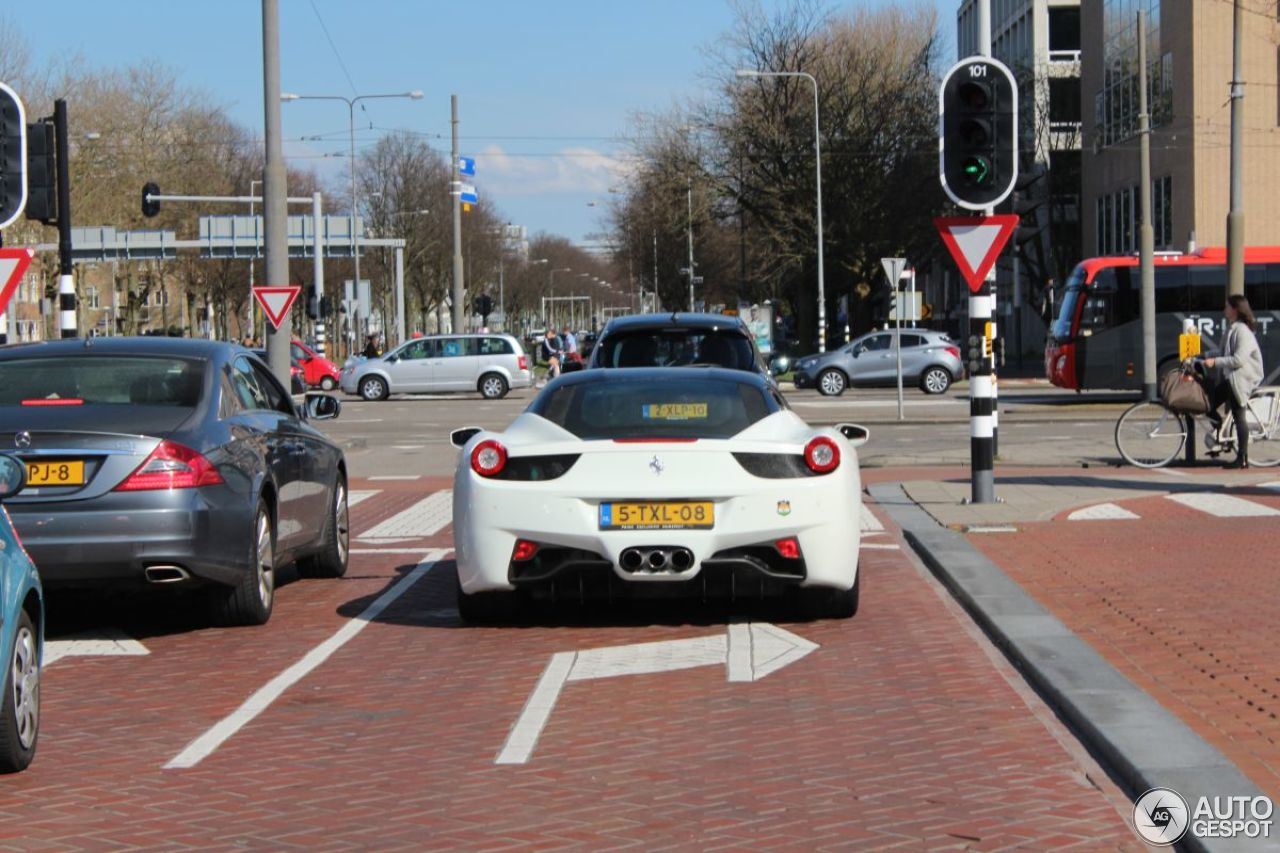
pixel 930 360
pixel 491 364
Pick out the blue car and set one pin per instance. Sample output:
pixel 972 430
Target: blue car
pixel 21 634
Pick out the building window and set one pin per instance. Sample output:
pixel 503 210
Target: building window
pixel 91 296
pixel 1162 211
pixel 1119 96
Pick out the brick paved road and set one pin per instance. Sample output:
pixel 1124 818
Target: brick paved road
pixel 902 729
pixel 1179 599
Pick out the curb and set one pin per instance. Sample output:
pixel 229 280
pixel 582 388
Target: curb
pixel 1141 744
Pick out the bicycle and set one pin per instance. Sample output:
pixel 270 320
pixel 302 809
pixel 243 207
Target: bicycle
pixel 1150 433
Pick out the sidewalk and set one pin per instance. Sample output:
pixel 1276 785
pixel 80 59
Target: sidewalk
pixel 1141 604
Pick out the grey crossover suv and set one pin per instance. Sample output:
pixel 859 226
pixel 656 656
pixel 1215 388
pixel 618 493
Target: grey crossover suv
pixel 929 359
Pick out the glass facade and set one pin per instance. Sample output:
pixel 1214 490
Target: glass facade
pixel 1119 215
pixel 1116 106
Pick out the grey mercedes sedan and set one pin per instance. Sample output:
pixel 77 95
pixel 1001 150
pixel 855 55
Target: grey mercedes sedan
pixel 173 462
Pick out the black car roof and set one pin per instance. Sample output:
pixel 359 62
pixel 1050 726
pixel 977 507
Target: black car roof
pixel 669 320
pixel 643 374
pixel 140 345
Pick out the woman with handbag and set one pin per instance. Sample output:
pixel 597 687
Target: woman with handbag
pixel 1241 362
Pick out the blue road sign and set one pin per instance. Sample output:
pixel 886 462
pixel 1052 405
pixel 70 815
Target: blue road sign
pixel 468 194
pixel 467 166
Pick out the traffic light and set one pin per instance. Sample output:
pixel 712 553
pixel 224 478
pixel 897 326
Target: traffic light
pixel 326 306
pixel 149 207
pixel 483 305
pixel 313 308
pixel 978 150
pixel 13 156
pixel 42 175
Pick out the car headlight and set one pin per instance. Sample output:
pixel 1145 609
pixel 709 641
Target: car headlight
pixel 806 363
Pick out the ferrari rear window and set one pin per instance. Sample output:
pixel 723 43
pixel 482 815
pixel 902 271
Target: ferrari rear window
pixel 98 379
pixel 670 407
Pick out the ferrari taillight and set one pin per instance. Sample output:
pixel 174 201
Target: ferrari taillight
pixel 488 458
pixel 524 363
pixel 524 550
pixel 171 466
pixel 822 455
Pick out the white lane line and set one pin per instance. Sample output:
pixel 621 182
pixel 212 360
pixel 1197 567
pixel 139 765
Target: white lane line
pixel 261 699
pixel 882 546
pixel 396 477
pixel 1223 506
pixel 357 495
pixel 869 521
pixel 1172 472
pixel 407 446
pixel 92 644
pixel 1100 512
pixel 1274 485
pixel 537 710
pixel 362 420
pixel 425 518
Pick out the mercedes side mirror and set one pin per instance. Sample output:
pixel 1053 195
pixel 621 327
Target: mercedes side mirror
pixel 322 407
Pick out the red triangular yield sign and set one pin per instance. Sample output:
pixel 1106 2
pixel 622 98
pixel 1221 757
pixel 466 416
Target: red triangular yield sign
pixel 975 242
pixel 13 265
pixel 276 301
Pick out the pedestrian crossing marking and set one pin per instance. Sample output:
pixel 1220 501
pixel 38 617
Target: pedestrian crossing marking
pixel 1099 512
pixel 1223 506
pixel 427 517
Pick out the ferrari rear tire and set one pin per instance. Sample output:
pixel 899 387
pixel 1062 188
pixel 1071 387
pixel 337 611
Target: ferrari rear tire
pixel 486 607
pixel 249 602
pixel 20 702
pixel 824 602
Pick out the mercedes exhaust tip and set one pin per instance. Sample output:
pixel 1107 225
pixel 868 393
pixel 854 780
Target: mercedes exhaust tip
pixel 166 574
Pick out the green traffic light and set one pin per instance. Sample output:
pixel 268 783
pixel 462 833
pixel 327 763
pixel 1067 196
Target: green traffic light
pixel 976 170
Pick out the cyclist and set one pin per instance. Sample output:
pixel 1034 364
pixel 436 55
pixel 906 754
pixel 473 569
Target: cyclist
pixel 1241 363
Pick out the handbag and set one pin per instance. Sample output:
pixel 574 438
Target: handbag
pixel 1184 393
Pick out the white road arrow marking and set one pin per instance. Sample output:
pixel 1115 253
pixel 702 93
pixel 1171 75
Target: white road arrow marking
pixel 92 644
pixel 749 652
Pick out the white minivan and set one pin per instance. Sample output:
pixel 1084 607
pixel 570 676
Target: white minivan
pixel 489 363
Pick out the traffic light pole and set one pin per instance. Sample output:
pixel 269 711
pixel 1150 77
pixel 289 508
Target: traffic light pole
pixel 66 283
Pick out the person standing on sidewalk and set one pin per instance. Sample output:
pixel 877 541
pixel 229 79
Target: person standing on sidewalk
pixel 1241 363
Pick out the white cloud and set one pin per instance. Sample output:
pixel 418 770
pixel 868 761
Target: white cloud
pixel 569 170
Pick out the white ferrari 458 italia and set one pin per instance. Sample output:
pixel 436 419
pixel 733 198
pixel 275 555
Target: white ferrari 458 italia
pixel 687 482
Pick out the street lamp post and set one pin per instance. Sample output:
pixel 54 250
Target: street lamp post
pixel 551 288
pixel 415 94
pixel 817 153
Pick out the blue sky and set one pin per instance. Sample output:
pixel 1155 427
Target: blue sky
pixel 545 86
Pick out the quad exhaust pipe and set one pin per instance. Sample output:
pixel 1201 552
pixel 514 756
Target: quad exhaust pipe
pixel 652 560
pixel 166 574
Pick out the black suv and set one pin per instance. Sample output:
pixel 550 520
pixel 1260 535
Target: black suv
pixel 676 340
